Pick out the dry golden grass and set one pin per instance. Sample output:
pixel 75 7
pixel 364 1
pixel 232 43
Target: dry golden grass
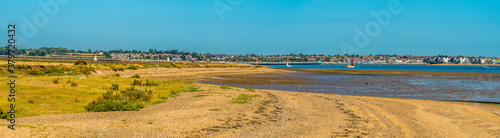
pixel 68 92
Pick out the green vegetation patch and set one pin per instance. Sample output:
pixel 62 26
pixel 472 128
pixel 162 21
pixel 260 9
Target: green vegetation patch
pixel 80 63
pixel 131 99
pixel 216 109
pixel 200 95
pixel 249 89
pixel 225 87
pixel 136 76
pixel 243 98
pixel 192 88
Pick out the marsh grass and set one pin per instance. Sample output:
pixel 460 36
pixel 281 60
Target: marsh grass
pixel 249 89
pixel 225 87
pixel 200 95
pixel 243 98
pixel 136 76
pixel 192 88
pixel 216 109
pixel 55 99
pixel 47 86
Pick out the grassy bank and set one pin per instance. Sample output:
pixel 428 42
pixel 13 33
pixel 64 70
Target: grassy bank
pixel 38 95
pixel 65 86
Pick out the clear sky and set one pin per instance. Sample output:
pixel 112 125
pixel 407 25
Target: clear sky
pixel 422 27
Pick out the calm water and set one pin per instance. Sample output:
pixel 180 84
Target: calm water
pixel 402 67
pixel 456 88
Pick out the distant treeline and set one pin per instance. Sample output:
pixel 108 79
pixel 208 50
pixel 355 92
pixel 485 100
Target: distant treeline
pixel 182 55
pixel 44 51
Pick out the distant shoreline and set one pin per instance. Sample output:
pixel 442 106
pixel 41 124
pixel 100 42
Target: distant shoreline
pixel 489 65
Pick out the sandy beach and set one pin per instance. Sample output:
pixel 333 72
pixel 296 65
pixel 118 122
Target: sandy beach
pixel 270 114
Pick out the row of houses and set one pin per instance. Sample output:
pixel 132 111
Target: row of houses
pixel 459 60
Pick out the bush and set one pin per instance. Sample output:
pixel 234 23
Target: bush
pixel 249 89
pixel 133 67
pixel 137 83
pixel 56 80
pixel 225 87
pixel 131 99
pixel 115 87
pixel 80 62
pixel 151 83
pixel 3 114
pixel 148 83
pixel 54 71
pixel 35 72
pixel 116 75
pixel 136 76
pixel 74 84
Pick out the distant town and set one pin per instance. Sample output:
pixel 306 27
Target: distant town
pixel 178 56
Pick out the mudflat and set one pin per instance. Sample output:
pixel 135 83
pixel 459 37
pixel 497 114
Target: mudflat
pixel 212 112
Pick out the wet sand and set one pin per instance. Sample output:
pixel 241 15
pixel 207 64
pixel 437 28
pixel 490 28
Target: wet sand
pixel 271 114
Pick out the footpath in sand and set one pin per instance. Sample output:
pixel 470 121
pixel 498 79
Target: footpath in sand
pixel 209 113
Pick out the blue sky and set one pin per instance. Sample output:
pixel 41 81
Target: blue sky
pixel 423 27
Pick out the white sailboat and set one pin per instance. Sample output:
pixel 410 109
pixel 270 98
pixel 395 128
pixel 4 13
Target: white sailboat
pixel 352 64
pixel 288 65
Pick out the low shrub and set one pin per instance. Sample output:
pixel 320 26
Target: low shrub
pixel 74 84
pixel 151 83
pixel 115 87
pixel 137 82
pixel 136 76
pixel 80 62
pixel 131 99
pixel 3 114
pixel 249 89
pixel 133 67
pixel 56 80
pixel 192 88
pixel 225 87
pixel 52 71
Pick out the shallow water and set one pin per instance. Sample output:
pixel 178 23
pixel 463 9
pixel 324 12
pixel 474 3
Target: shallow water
pixel 457 88
pixel 480 69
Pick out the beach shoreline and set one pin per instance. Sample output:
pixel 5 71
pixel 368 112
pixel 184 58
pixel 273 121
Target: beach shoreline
pixel 271 113
pixel 274 114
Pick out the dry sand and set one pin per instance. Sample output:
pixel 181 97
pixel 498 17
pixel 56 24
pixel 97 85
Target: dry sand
pixel 272 114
